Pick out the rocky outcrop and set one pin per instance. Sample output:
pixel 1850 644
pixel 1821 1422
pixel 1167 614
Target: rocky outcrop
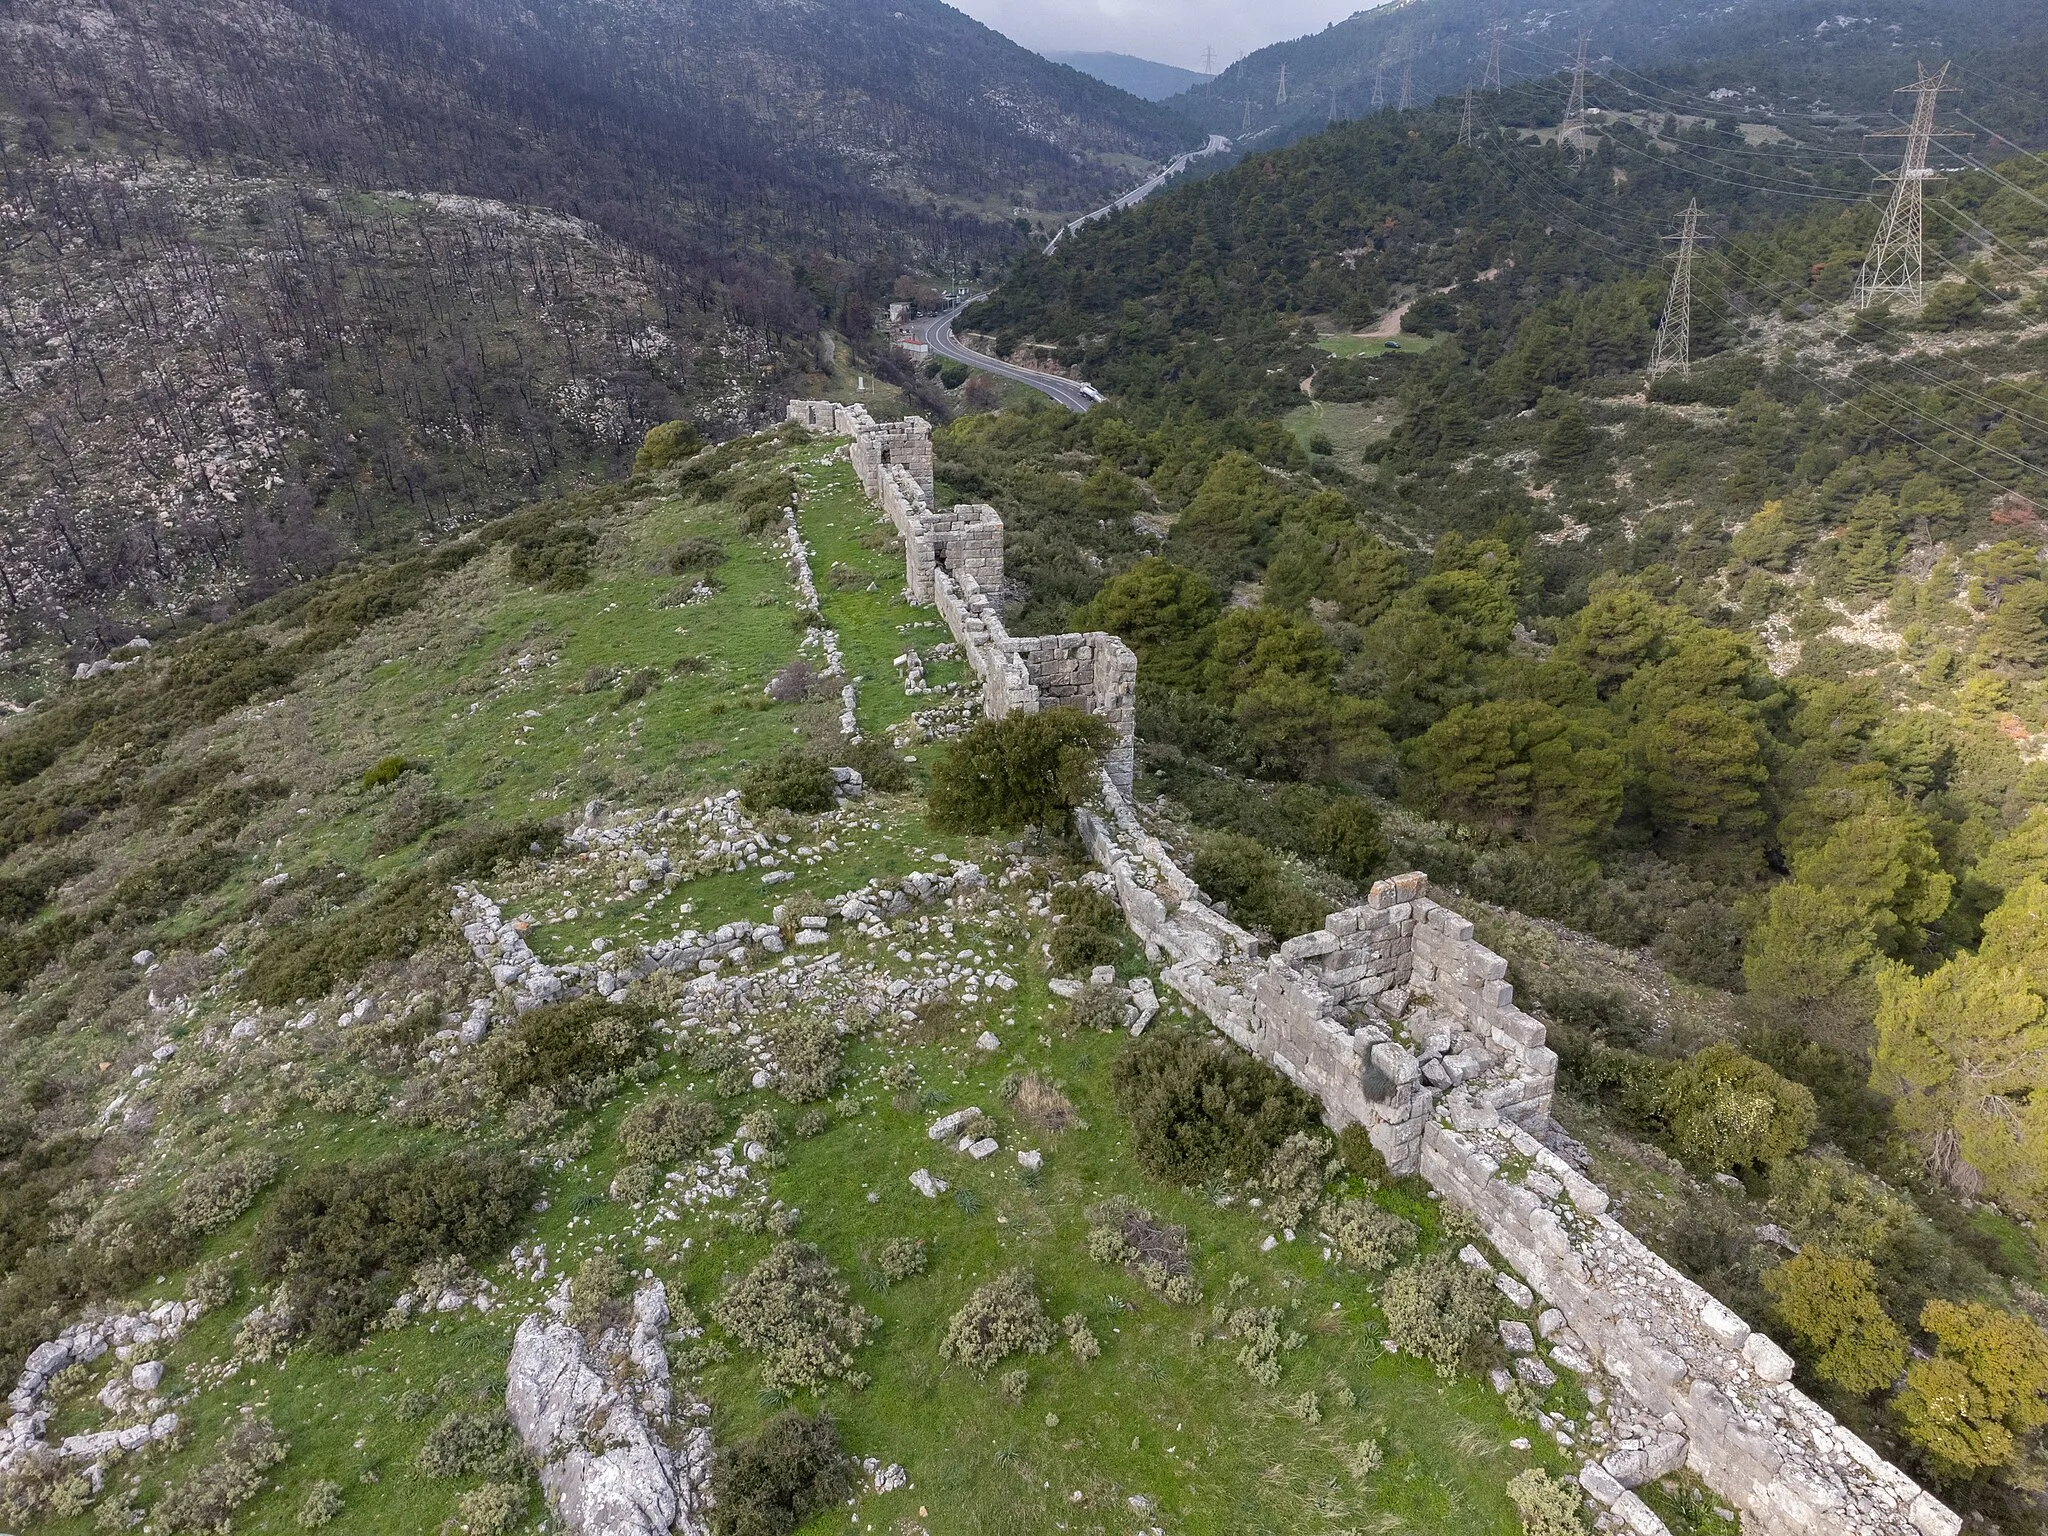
pixel 616 1456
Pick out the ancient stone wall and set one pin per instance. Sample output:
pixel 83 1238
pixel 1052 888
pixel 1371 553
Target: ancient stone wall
pixel 954 561
pixel 1395 1017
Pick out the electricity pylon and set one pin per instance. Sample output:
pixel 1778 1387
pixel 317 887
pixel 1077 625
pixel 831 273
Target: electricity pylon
pixel 1895 266
pixel 1491 80
pixel 1407 74
pixel 1209 62
pixel 1379 95
pixel 1571 133
pixel 1281 99
pixel 1465 121
pixel 1672 352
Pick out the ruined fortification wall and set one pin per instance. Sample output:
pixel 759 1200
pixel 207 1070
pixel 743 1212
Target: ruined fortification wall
pixel 1396 1018
pixel 953 560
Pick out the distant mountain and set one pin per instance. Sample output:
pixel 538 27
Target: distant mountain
pixel 411 260
pixel 1143 78
pixel 1771 54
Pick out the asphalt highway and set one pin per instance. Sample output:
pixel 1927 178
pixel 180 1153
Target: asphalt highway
pixel 937 333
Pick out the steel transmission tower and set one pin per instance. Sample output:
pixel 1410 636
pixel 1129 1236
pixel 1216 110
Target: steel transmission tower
pixel 1209 62
pixel 1672 352
pixel 1894 267
pixel 1491 80
pixel 1407 74
pixel 1465 121
pixel 1571 133
pixel 1379 95
pixel 1281 99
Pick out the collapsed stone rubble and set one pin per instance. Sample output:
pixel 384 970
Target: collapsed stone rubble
pixel 130 1395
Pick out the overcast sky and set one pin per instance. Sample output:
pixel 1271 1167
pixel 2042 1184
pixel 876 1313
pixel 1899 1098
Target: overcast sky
pixel 1171 31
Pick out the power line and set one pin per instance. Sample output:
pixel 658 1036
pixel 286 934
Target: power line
pixel 1672 351
pixel 1894 266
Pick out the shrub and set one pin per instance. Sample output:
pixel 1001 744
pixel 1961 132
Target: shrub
pixel 1293 1176
pixel 1439 1310
pixel 1081 1340
pixel 1002 1318
pixel 808 1058
pixel 900 1259
pixel 792 780
pixel 1198 1109
pixel 563 1046
pixel 492 1509
pixel 1727 1111
pixel 554 556
pixel 1367 1236
pixel 205 1499
pixel 219 1192
pixel 211 1284
pixel 1549 1506
pixel 1077 950
pixel 792 1310
pixel 789 1471
pixel 412 814
pixel 387 771
pixel 1986 1388
pixel 669 443
pixel 797 681
pixel 344 1234
pixel 320 1506
pixel 1250 877
pixel 601 1296
pixel 1014 1384
pixel 880 766
pixel 698 552
pixel 472 1444
pixel 1831 1308
pixel 1361 1158
pixel 1093 1007
pixel 668 1127
pixel 1364 1459
pixel 1020 771
pixel 1347 837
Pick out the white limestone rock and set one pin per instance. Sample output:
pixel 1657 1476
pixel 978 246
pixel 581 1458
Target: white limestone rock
pixel 600 1425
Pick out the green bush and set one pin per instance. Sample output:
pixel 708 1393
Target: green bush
pixel 600 1297
pixel 1367 1236
pixel 387 771
pixel 1361 1158
pixel 900 1259
pixel 1020 771
pixel 1549 1506
pixel 1727 1111
pixel 880 766
pixel 792 780
pixel 1091 931
pixel 553 556
pixel 1439 1310
pixel 669 443
pixel 1197 1108
pixel 1002 1318
pixel 792 1309
pixel 492 1509
pixel 567 1046
pixel 1831 1308
pixel 809 1056
pixel 790 1470
pixel 205 1499
pixel 668 1127
pixel 219 1191
pixel 698 552
pixel 320 1507
pixel 1293 1177
pixel 472 1444
pixel 345 1234
pixel 1347 837
pixel 1250 877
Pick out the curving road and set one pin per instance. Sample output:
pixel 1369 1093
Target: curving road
pixel 937 333
pixel 1217 145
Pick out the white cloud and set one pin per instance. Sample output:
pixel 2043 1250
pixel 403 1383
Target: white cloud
pixel 1170 31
